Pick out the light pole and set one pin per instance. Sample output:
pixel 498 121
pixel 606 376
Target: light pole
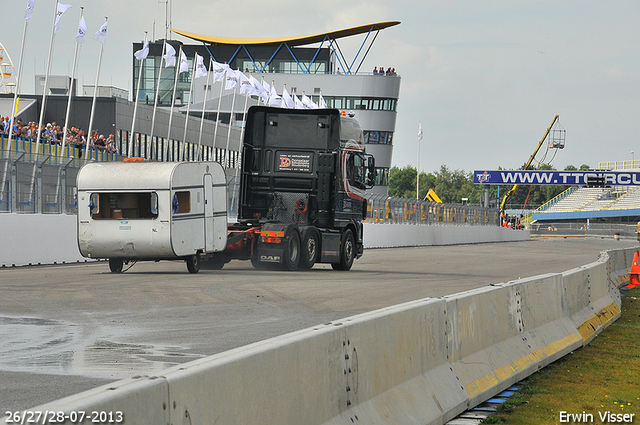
pixel 631 159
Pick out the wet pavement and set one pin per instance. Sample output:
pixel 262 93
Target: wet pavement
pixel 65 329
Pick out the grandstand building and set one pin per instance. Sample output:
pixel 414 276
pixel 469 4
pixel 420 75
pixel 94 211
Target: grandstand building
pixel 599 210
pixel 290 62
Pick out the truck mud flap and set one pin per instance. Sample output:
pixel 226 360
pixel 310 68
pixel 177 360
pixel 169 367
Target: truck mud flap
pixel 270 256
pixel 330 248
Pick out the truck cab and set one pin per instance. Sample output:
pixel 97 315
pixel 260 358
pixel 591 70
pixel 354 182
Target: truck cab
pixel 304 176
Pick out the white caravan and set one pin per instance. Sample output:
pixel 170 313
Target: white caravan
pixel 151 211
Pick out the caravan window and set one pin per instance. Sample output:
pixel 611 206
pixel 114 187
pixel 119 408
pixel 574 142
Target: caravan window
pixel 181 202
pixel 124 205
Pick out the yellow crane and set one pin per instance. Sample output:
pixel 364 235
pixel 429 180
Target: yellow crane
pixel 556 143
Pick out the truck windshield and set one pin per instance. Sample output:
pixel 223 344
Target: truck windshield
pixel 124 205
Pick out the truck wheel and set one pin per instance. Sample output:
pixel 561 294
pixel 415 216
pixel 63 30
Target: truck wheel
pixel 310 249
pixel 115 265
pixel 292 250
pixel 193 263
pixel 255 262
pixel 347 252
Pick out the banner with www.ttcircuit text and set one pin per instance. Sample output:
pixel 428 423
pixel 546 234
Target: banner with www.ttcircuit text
pixel 568 178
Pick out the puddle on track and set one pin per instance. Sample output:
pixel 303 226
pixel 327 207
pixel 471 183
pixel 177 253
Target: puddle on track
pixel 54 347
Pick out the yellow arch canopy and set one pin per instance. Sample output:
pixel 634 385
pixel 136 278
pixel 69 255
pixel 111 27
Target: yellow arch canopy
pixel 291 41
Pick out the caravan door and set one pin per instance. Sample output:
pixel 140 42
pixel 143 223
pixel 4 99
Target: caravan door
pixel 209 230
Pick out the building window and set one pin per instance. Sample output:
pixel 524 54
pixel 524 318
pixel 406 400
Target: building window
pixel 382 177
pixel 361 103
pixel 378 137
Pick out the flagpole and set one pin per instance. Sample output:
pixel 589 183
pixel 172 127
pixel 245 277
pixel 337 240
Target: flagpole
pixel 264 102
pixel 135 107
pixel 418 169
pixel 93 102
pixel 204 106
pixel 173 99
pixel 155 99
pixel 215 131
pixel 73 76
pixel 418 174
pixel 46 80
pixel 186 119
pixel 235 176
pixel 18 79
pixel 227 163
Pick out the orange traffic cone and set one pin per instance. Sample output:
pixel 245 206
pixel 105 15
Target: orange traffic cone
pixel 634 274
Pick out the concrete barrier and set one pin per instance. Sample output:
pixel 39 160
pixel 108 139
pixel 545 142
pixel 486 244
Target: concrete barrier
pixel 52 238
pixel 503 333
pixel 591 304
pixel 38 239
pixel 396 235
pixel 420 362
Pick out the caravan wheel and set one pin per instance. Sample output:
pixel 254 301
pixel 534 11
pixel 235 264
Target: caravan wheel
pixel 193 263
pixel 115 265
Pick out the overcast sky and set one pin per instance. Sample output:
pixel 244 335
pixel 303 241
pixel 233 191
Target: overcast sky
pixel 484 78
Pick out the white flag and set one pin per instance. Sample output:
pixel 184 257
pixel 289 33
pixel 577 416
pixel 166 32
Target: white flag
pixel 419 131
pixel 201 70
pixel 82 30
pixel 287 102
pixel 323 104
pixel 218 71
pixel 308 103
pixel 169 56
pixel 259 89
pixel 184 63
pixel 29 12
pixel 61 9
pixel 274 98
pixel 144 52
pixel 233 80
pixel 101 34
pixel 267 89
pixel 245 84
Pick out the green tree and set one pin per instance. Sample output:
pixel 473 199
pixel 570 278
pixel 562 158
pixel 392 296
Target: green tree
pixel 402 182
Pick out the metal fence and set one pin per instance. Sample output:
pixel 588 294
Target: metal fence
pixel 385 209
pixel 40 186
pixel 45 183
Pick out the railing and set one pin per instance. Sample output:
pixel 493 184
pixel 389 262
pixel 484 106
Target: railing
pixel 619 165
pixel 41 185
pixel 45 183
pixel 77 153
pixel 385 209
pixel 556 199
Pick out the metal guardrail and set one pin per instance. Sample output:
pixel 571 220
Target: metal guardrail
pixel 385 209
pixel 44 183
pixel 39 186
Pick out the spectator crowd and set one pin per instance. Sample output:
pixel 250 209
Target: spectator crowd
pixel 381 71
pixel 54 134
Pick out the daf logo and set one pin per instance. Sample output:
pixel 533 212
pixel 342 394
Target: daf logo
pixel 270 258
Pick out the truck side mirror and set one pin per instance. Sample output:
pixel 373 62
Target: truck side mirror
pixel 371 160
pixel 371 176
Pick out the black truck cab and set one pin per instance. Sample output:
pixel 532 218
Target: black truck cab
pixel 304 175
